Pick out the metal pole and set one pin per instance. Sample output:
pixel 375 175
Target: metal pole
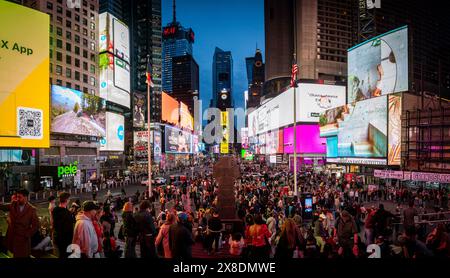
pixel 149 154
pixel 295 142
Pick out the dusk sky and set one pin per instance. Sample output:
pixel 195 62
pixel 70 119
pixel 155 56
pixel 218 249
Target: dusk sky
pixel 232 25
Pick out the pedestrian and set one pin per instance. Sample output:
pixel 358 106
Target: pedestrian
pixel 409 214
pixel 369 225
pixel 63 225
pixel 146 230
pixel 438 241
pixel 236 243
pixel 347 235
pixel 214 229
pixel 108 217
pixel 84 234
pixel 51 206
pixel 180 238
pixel 260 235
pixel 129 230
pixel 288 240
pixel 163 237
pixel 23 223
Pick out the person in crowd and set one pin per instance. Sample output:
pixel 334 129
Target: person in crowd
pixel 214 230
pixel 146 230
pixel 408 215
pixel 260 236
pixel 438 241
pixel 320 233
pixel 236 242
pixel 84 234
pixel 180 238
pixel 288 241
pixel 129 230
pixel 23 223
pixel 369 226
pixel 381 221
pixel 347 235
pixel 107 219
pixel 63 226
pixel 51 206
pixel 163 236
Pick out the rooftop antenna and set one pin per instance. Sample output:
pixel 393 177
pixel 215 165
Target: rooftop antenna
pixel 174 11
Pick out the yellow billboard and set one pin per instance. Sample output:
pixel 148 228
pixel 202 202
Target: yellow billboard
pixel 225 133
pixel 24 77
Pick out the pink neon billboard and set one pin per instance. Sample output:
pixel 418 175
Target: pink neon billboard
pixel 308 140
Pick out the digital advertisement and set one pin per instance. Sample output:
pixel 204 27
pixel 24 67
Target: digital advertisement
pixel 141 143
pixel 114 37
pixel 114 79
pixel 115 135
pixel 395 129
pixel 274 142
pixel 170 109
pixel 24 72
pixel 378 66
pixel 356 130
pixel 177 140
pixel 74 112
pixel 139 109
pixel 308 140
pixel 186 119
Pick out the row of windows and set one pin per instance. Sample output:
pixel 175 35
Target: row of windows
pixel 59 32
pixel 59 58
pixel 76 49
pixel 77 74
pixel 59 9
pixel 59 82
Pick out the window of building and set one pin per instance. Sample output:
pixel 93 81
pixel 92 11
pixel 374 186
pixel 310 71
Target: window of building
pixel 92 92
pixel 68 73
pixel 85 54
pixel 58 56
pixel 77 50
pixel 51 54
pixel 85 13
pixel 51 41
pixel 77 62
pixel 85 66
pixel 59 31
pixel 68 47
pixel 85 32
pixel 92 35
pixel 85 90
pixel 92 7
pixel 93 57
pixel 77 39
pixel 51 68
pixel 49 5
pixel 92 16
pixel 59 1
pixel 58 70
pixel 69 85
pixel 92 70
pixel 85 43
pixel 85 78
pixel 77 76
pixel 68 35
pixel 59 43
pixel 92 26
pixel 69 59
pixel 92 46
pixel 58 82
pixel 85 21
pixel 68 24
pixel 69 14
pixel 85 3
pixel 77 87
pixel 77 17
pixel 92 81
pixel 59 9
pixel 51 28
pixel 77 27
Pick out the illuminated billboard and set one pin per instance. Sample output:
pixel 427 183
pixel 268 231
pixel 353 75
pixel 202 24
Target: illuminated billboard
pixel 244 138
pixel 177 140
pixel 308 140
pixel 170 109
pixel 224 147
pixel 157 145
pixel 378 66
pixel 115 133
pixel 24 77
pixel 356 130
pixel 114 37
pixel 186 119
pixel 139 109
pixel 114 79
pixel 74 112
pixel 395 129
pixel 314 99
pixel 141 143
pixel 274 142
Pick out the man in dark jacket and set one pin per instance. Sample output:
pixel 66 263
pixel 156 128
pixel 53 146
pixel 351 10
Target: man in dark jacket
pixel 63 223
pixel 129 230
pixel 215 228
pixel 381 218
pixel 180 238
pixel 146 230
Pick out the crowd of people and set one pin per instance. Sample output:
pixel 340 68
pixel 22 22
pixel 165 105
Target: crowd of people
pixel 273 222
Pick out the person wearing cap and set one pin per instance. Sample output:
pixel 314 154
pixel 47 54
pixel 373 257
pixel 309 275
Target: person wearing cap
pixel 23 224
pixel 84 234
pixel 129 230
pixel 180 238
pixel 146 230
pixel 63 223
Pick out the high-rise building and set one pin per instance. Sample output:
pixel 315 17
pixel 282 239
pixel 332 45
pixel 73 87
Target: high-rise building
pixel 256 86
pixel 222 78
pixel 114 7
pixel 144 21
pixel 185 76
pixel 321 31
pixel 249 61
pixel 74 65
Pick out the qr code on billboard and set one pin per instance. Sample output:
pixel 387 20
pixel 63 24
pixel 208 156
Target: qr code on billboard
pixel 29 123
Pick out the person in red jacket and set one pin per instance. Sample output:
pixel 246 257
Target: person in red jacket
pixel 259 234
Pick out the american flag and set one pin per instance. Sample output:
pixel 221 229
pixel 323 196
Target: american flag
pixel 294 74
pixel 148 74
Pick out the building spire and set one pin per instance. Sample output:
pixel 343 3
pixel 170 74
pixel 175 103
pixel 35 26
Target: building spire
pixel 174 11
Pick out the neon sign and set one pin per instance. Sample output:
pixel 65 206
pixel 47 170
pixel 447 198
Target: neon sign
pixel 68 171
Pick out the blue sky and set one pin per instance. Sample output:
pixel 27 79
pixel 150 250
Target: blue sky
pixel 232 25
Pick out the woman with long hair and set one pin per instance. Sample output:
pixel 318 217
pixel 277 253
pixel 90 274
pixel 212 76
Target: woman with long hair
pixel 163 237
pixel 288 241
pixel 259 234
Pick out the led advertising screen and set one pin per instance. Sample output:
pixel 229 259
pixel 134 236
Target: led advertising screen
pixel 186 119
pixel 170 109
pixel 115 135
pixel 177 140
pixel 308 140
pixel 74 112
pixel 139 109
pixel 157 145
pixel 114 37
pixel 224 147
pixel 378 66
pixel 274 142
pixel 395 129
pixel 114 79
pixel 357 130
pixel 314 99
pixel 24 77
pixel 141 143
pixel 244 138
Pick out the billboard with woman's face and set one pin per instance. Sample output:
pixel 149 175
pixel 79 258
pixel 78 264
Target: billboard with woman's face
pixel 177 140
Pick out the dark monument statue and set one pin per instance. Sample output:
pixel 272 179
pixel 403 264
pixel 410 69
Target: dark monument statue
pixel 226 171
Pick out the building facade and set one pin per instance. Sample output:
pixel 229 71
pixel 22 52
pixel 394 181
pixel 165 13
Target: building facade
pixel 257 80
pixel 185 76
pixel 222 78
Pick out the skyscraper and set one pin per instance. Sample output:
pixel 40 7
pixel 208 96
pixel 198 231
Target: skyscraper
pixel 249 61
pixel 222 78
pixel 257 80
pixel 144 21
pixel 177 41
pixel 114 7
pixel 185 75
